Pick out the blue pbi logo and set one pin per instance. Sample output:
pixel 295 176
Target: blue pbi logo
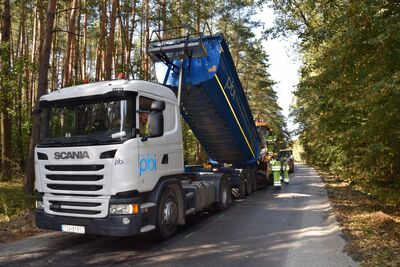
pixel 148 163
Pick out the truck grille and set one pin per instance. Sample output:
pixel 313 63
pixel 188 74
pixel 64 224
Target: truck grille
pixel 76 206
pixel 72 203
pixel 59 208
pixel 76 190
pixel 74 168
pixel 86 178
pixel 75 187
pixel 76 179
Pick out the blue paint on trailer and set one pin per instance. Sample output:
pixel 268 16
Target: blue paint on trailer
pixel 214 104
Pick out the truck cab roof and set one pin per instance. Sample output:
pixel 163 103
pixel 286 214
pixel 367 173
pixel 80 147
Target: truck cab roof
pixel 104 87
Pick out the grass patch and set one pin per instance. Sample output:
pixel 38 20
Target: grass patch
pixel 13 200
pixel 17 218
pixel 370 220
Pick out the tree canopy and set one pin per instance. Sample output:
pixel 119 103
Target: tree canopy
pixel 348 99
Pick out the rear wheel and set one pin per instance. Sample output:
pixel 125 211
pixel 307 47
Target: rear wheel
pixel 254 184
pixel 242 188
pixel 224 195
pixel 167 221
pixel 249 184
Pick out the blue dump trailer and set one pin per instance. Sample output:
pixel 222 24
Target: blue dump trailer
pixel 201 72
pixel 213 102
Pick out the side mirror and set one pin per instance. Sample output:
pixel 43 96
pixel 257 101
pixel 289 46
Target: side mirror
pixel 156 119
pixel 157 105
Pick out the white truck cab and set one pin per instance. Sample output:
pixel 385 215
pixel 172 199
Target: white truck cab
pixel 92 161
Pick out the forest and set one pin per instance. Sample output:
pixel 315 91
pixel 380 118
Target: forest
pixel 348 98
pixel 48 45
pixel 347 102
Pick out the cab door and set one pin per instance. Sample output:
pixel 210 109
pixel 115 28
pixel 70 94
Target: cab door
pixel 153 160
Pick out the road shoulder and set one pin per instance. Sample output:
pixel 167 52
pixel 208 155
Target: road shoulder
pixel 371 228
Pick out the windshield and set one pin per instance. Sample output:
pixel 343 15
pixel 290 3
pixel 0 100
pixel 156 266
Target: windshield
pixel 285 153
pixel 88 122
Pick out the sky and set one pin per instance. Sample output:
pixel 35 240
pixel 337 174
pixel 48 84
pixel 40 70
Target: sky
pixel 284 64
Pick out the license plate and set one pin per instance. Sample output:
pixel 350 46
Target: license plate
pixel 73 229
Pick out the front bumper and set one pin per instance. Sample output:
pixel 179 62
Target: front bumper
pixel 110 225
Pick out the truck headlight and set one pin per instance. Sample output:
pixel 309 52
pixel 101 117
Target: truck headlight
pixel 39 205
pixel 124 209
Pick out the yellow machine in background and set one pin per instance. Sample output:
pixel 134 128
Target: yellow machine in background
pixel 269 145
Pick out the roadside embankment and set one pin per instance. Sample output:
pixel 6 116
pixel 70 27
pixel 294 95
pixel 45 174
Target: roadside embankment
pixel 370 226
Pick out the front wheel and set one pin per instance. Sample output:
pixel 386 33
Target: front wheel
pixel 168 212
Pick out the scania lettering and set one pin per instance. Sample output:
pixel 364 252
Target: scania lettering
pixel 98 171
pixel 71 155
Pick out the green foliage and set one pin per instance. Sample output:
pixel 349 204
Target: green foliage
pixel 232 18
pixel 348 98
pixel 192 156
pixel 13 200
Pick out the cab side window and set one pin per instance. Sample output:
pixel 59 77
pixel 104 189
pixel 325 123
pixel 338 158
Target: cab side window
pixel 144 110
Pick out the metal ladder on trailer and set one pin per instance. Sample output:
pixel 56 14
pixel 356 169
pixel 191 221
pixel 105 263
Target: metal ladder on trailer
pixel 168 50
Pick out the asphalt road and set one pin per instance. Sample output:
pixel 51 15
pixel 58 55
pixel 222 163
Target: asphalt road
pixel 291 227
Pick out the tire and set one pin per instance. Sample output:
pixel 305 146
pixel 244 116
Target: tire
pixel 270 180
pixel 254 184
pixel 224 195
pixel 242 188
pixel 249 184
pixel 168 212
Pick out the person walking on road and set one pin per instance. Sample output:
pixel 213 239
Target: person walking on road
pixel 276 171
pixel 285 169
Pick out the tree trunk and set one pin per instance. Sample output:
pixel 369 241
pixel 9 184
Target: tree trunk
pixel 198 155
pixel 164 15
pixel 54 60
pixel 159 16
pixel 33 54
pixel 84 41
pixel 198 16
pixel 99 56
pixel 5 89
pixel 110 43
pixel 70 42
pixel 21 83
pixel 147 36
pixel 129 43
pixel 36 57
pixel 42 89
pixel 141 43
pixel 76 46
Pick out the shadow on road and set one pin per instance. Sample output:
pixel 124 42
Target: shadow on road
pixel 293 227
